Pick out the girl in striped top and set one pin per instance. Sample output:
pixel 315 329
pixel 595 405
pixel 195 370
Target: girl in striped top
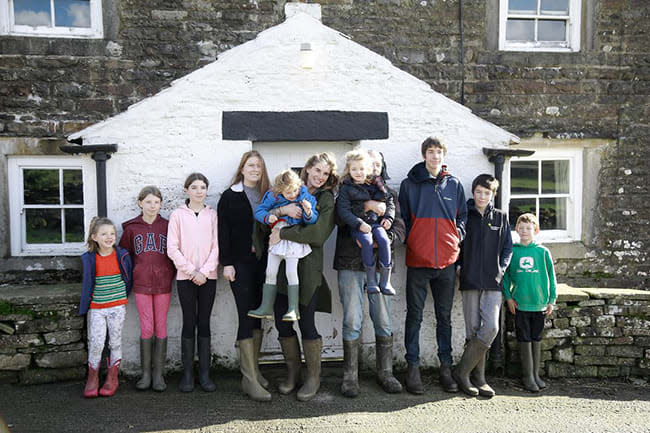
pixel 106 285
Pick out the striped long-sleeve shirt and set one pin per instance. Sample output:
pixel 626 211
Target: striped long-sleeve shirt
pixel 110 289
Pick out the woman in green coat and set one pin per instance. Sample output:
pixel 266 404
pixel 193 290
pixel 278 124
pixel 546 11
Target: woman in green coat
pixel 320 178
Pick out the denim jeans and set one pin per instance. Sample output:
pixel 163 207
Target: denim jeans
pixel 351 293
pixel 441 282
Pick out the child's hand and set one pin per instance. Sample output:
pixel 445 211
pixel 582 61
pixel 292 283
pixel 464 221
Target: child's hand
pixel 549 309
pixel 306 205
pixel 512 306
pixel 229 273
pixel 198 278
pixel 272 219
pixel 365 228
pixel 386 224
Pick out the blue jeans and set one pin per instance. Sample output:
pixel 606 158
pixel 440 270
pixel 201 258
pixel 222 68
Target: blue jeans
pixel 441 282
pixel 378 235
pixel 351 294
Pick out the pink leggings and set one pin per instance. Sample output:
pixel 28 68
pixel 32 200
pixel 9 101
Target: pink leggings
pixel 153 314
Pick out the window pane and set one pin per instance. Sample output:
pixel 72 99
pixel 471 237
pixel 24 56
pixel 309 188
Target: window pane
pixel 43 226
pixel 72 13
pixel 32 12
pixel 74 225
pixel 41 186
pixel 555 7
pixel 73 192
pixel 520 206
pixel 551 30
pixel 522 7
pixel 553 213
pixel 524 177
pixel 555 177
pixel 520 30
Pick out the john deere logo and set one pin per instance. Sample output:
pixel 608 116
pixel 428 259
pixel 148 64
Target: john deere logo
pixel 526 263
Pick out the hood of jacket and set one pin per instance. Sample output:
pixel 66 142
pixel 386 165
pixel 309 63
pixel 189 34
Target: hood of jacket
pixel 419 173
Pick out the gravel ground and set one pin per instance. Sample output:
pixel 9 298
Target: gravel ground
pixel 568 405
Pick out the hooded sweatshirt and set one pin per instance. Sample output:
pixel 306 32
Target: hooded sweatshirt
pixel 192 242
pixel 146 243
pixel 530 278
pixel 435 213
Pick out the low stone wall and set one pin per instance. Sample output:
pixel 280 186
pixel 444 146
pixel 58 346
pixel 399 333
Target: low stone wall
pixel 42 339
pixel 593 333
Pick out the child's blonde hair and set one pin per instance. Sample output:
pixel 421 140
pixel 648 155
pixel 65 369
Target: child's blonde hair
pixel 286 181
pixel 354 156
pixel 528 218
pixel 95 224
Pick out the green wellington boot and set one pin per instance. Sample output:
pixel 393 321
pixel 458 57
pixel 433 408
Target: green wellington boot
pixel 265 310
pixel 527 378
pixel 313 350
pixel 293 313
pixel 291 352
pixel 257 340
pixel 249 384
pixel 537 359
pixel 474 351
pixel 145 361
pixel 159 360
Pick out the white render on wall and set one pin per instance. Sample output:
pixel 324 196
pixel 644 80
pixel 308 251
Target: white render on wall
pixel 178 131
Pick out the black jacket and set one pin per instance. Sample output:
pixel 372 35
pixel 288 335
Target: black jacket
pixel 347 256
pixel 486 249
pixel 349 203
pixel 235 223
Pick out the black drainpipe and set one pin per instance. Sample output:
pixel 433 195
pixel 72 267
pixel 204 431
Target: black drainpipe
pixel 100 153
pixel 462 52
pixel 498 158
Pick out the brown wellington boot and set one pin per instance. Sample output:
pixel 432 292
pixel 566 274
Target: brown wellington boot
pixel 249 383
pixel 313 350
pixel 291 352
pixel 384 363
pixel 257 340
pixel 350 385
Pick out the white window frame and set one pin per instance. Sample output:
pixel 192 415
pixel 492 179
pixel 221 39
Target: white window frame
pixel 572 44
pixel 17 222
pixel 8 26
pixel 574 202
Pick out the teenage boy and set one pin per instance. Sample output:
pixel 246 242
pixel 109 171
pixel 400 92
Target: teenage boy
pixel 433 207
pixel 485 255
pixel 529 288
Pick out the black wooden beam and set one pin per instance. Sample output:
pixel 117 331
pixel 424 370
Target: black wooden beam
pixel 304 125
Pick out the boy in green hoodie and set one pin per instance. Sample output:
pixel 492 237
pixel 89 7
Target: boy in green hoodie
pixel 529 289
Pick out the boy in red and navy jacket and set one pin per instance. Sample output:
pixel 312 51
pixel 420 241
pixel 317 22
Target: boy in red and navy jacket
pixel 435 212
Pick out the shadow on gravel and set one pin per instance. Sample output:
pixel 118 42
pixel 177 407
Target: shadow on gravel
pixel 61 408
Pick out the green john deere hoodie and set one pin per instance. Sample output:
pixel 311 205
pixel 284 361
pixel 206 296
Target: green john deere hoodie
pixel 531 277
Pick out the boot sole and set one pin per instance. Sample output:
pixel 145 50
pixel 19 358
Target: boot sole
pixel 261 316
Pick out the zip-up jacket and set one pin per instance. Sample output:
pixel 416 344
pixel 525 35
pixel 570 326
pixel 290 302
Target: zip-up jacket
pixel 88 261
pixel 486 250
pixel 530 278
pixel 349 203
pixel 435 213
pixel 272 201
pixel 192 242
pixel 146 243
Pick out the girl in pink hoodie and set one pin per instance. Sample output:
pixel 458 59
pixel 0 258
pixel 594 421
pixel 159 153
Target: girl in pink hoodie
pixel 192 245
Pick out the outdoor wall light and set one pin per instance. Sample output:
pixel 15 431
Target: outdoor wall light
pixel 307 56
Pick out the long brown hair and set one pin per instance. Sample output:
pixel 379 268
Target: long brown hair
pixel 326 158
pixel 264 181
pixel 95 224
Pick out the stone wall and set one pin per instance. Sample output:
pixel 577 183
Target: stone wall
pixel 52 87
pixel 593 333
pixel 42 339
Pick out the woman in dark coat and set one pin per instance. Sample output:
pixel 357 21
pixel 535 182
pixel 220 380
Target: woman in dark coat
pixel 241 267
pixel 320 178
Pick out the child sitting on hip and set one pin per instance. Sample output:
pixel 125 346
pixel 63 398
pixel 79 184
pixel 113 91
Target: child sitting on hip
pixel 359 186
pixel 106 283
pixel 287 189
pixel 529 289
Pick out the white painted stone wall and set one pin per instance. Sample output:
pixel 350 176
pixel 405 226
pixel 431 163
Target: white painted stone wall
pixel 178 131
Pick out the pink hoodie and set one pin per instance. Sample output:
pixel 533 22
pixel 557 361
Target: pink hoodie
pixel 192 242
